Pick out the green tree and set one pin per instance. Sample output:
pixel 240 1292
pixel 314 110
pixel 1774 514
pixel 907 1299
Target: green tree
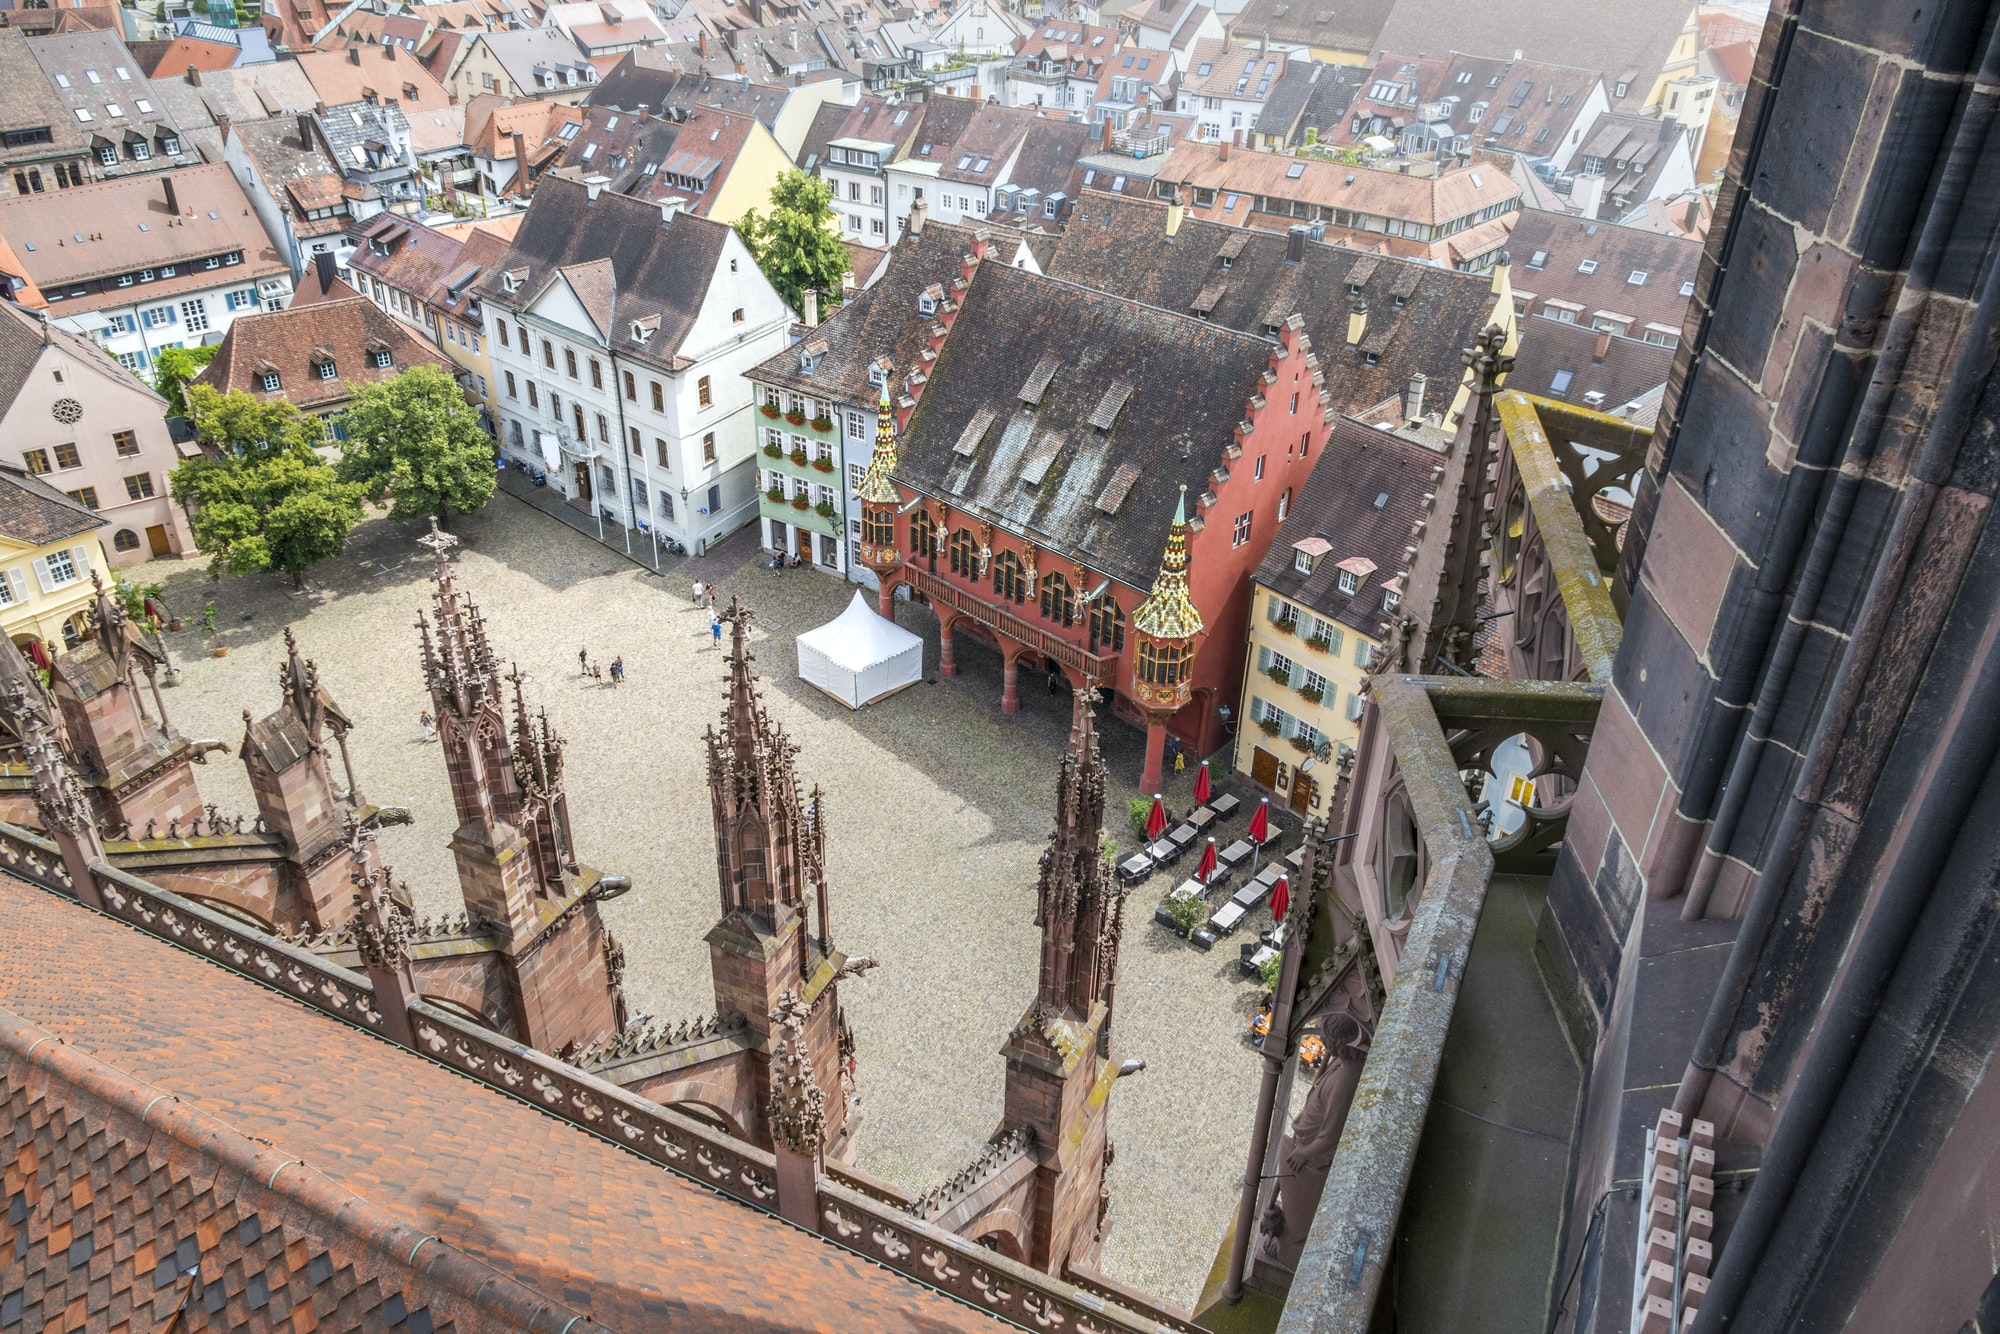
pixel 174 367
pixel 416 438
pixel 798 246
pixel 265 499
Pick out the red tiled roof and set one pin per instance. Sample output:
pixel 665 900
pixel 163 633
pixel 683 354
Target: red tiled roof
pixel 234 1081
pixel 295 341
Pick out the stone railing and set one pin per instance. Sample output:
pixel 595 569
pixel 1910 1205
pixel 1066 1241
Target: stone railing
pixel 1555 550
pixel 34 858
pixel 646 1037
pixel 423 931
pixel 1419 737
pixel 942 592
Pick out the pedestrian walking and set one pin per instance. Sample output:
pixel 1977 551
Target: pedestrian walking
pixel 711 597
pixel 1180 760
pixel 698 590
pixel 617 670
pixel 583 661
pixel 429 724
pixel 715 629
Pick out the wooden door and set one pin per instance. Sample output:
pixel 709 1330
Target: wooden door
pixel 1302 792
pixel 1263 768
pixel 583 482
pixel 157 537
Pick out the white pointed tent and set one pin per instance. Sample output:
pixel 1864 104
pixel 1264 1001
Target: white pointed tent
pixel 858 657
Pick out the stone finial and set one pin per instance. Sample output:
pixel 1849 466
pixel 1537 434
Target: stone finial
pixel 797 1110
pixel 381 934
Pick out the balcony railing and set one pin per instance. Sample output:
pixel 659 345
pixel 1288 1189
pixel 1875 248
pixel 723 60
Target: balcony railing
pixel 941 592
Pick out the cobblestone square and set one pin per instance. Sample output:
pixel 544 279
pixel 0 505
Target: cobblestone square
pixel 939 806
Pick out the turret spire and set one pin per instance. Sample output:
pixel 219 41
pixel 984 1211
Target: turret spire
pixel 1169 611
pixel 876 488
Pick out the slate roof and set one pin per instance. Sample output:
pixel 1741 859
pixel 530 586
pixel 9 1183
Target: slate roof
pixel 294 342
pixel 119 83
pixel 1622 38
pixel 522 54
pixel 417 257
pixel 1190 384
pixel 993 134
pixel 642 79
pixel 880 321
pixel 32 104
pixel 1563 244
pixel 1337 505
pixel 1121 246
pixel 127 1191
pixel 1308 92
pixel 661 269
pixel 1621 369
pixel 1344 25
pixel 36 513
pixel 1049 151
pixel 825 128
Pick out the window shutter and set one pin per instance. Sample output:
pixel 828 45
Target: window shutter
pixel 1277 608
pixel 1333 637
pixel 81 555
pixel 1263 659
pixel 42 575
pixel 17 584
pixel 1297 676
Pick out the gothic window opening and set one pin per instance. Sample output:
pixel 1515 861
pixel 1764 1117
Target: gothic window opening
pixel 964 554
pixel 1107 626
pixel 1162 664
pixel 878 526
pixel 1010 577
pixel 1058 600
pixel 923 534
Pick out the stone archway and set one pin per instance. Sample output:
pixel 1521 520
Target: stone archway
pixel 1005 1230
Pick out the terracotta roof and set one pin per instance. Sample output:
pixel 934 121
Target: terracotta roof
pixel 124 226
pixel 1338 516
pixel 1626 39
pixel 117 98
pixel 1386 194
pixel 1420 315
pixel 1190 384
pixel 297 342
pixel 662 269
pixel 492 121
pixel 21 348
pixel 1571 362
pixel 1236 70
pixel 1316 23
pixel 130 1190
pixel 1550 250
pixel 349 76
pixel 182 52
pixel 417 257
pixel 31 103
pixel 34 512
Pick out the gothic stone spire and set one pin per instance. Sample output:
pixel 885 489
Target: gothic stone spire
pixel 1078 902
pixel 760 828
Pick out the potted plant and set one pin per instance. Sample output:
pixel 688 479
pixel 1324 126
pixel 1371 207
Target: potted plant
pixel 776 494
pixel 801 503
pixel 1137 810
pixel 824 509
pixel 796 418
pixel 823 463
pixel 1188 911
pixel 208 624
pixel 822 423
pixel 1313 694
pixel 774 451
pixel 1270 726
pixel 1302 745
pixel 770 410
pixel 1280 675
pixel 799 455
pixel 1321 643
pixel 1287 625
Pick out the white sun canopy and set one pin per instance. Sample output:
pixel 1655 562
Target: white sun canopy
pixel 858 657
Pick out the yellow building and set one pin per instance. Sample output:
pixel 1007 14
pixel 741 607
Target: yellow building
pixel 1321 601
pixel 49 545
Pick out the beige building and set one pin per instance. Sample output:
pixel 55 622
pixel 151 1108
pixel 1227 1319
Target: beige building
pixel 531 63
pixel 83 424
pixel 49 545
pixel 1321 601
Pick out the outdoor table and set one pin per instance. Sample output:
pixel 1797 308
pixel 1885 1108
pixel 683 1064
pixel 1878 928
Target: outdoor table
pixel 1201 817
pixel 1251 894
pixel 1235 854
pixel 1270 875
pixel 1255 961
pixel 1164 851
pixel 1183 836
pixel 1135 868
pixel 1225 806
pixel 1226 918
pixel 1186 889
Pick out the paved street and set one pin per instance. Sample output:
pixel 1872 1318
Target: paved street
pixel 939 807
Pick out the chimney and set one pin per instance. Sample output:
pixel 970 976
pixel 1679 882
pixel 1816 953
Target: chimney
pixel 222 127
pixel 194 76
pixel 594 186
pixel 173 200
pixel 1693 214
pixel 354 55
pixel 1175 212
pixel 812 309
pixel 1295 248
pixel 325 267
pixel 1586 195
pixel 1603 346
pixel 1108 132
pixel 1222 151
pixel 521 159
pixel 1413 399
pixel 915 224
pixel 1357 323
pixel 701 43
pixel 389 50
pixel 305 130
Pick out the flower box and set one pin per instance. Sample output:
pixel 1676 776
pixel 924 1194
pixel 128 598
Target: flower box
pixel 796 418
pixel 824 465
pixel 1301 745
pixel 1320 643
pixel 822 423
pixel 1270 726
pixel 1289 627
pixel 776 494
pixel 1313 694
pixel 774 451
pixel 801 503
pixel 799 457
pixel 769 410
pixel 824 509
pixel 1280 675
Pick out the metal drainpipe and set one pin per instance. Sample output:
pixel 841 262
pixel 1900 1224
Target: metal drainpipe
pixel 1947 432
pixel 1949 426
pixel 625 452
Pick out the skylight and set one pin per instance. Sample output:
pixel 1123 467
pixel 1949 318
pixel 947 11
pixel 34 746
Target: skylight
pixel 1588 266
pixel 1560 384
pixel 1296 170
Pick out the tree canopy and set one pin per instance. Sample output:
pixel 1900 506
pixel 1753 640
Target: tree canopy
pixel 173 367
pixel 797 244
pixel 265 499
pixel 414 438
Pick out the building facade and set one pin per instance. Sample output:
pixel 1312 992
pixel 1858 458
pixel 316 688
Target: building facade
pixel 49 547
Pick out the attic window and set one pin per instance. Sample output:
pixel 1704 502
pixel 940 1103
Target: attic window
pixel 1035 466
pixel 1118 487
pixel 1687 288
pixel 1350 582
pixel 1588 266
pixel 1560 384
pixel 1107 407
pixel 1539 260
pixel 1296 170
pixel 1038 382
pixel 268 382
pixel 975 431
pixel 1638 278
pixel 643 330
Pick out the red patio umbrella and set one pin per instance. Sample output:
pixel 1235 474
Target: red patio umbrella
pixel 1260 823
pixel 1281 899
pixel 1207 867
pixel 1201 792
pixel 1156 819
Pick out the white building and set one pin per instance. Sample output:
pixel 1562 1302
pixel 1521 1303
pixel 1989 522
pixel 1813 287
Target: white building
pixel 620 332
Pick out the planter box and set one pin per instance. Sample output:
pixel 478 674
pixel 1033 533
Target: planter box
pixel 1166 919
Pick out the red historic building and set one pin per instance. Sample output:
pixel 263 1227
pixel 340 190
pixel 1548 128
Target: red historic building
pixel 1100 508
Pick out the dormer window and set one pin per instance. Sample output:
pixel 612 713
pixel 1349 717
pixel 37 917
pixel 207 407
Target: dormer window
pixel 878 376
pixel 268 382
pixel 1302 561
pixel 511 279
pixel 1350 582
pixel 325 369
pixel 1391 599
pixel 382 360
pixel 644 329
